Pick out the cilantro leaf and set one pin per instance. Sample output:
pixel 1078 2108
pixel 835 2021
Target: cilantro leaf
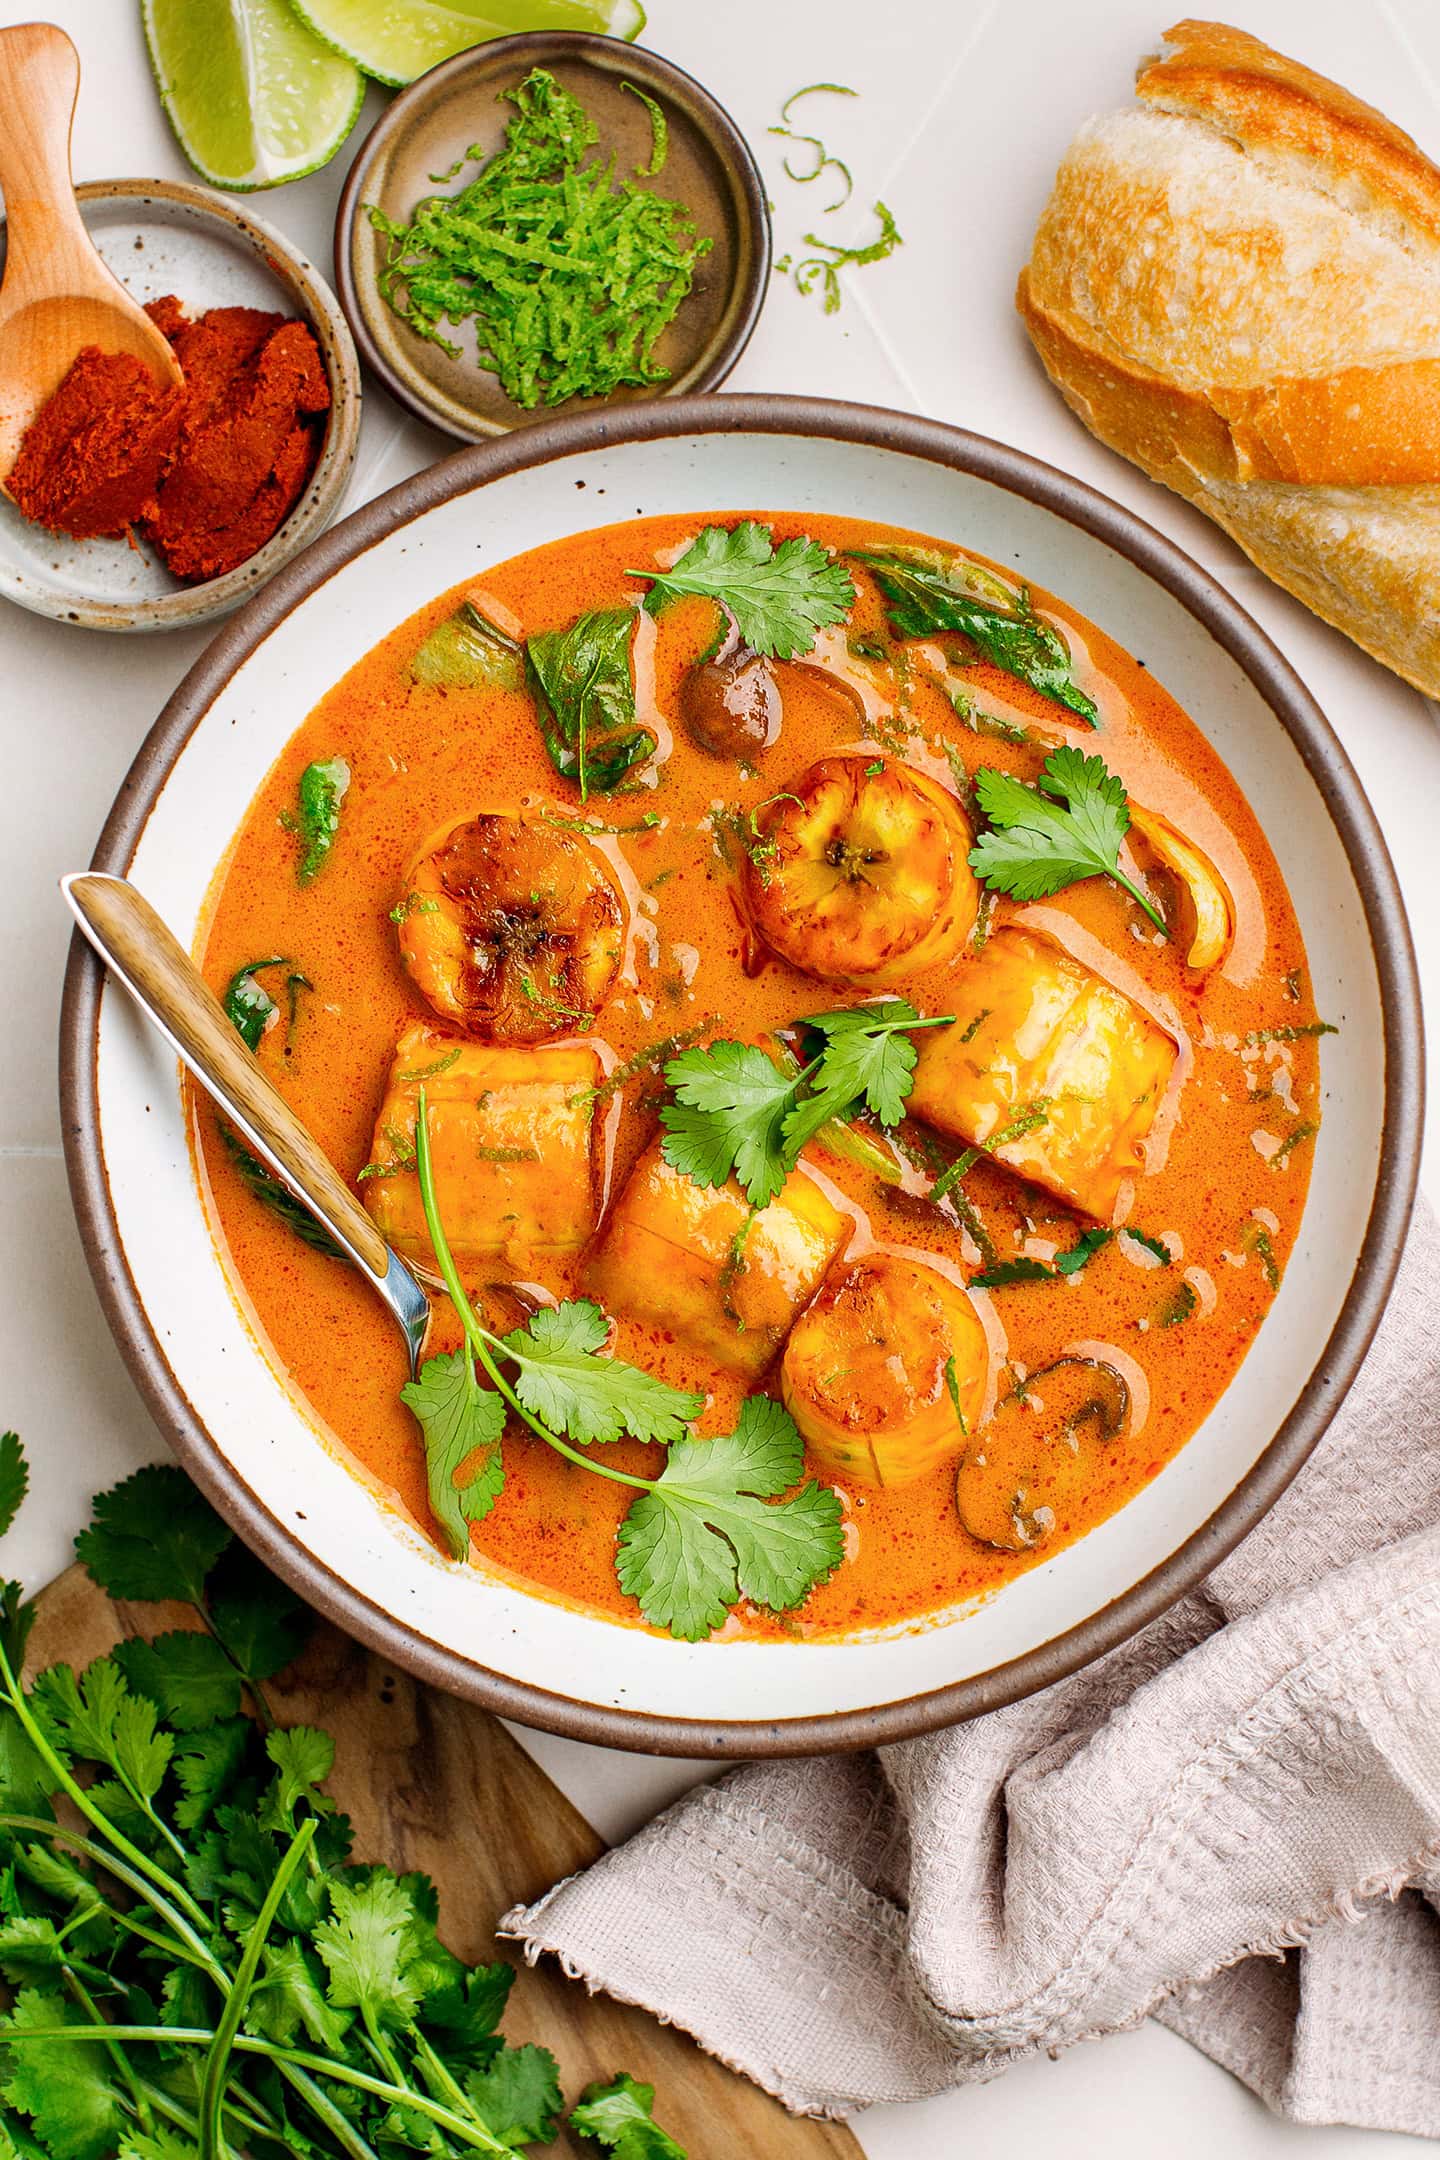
pixel 186 1676
pixel 159 2144
pixel 779 597
pixel 262 1624
pixel 17 1617
pixel 319 798
pixel 462 1425
pixel 14 1479
pixel 868 1056
pixel 25 1779
pixel 366 1944
pixel 249 1007
pixel 925 599
pixel 303 1757
pixel 64 2086
pixel 1004 1273
pixel 273 1193
pixel 565 1382
pixel 289 1998
pixel 1067 828
pixel 729 1117
pixel 518 2096
pixel 98 1718
pixel 152 1536
pixel 620 2116
pixel 205 1765
pixel 462 2006
pixel 1008 1272
pixel 738 1113
pixel 702 1536
pixel 1085 1248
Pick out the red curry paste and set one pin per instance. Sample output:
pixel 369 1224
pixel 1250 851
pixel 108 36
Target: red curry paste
pixel 206 471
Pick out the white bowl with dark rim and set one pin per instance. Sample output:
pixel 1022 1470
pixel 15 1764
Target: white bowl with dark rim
pixel 246 1438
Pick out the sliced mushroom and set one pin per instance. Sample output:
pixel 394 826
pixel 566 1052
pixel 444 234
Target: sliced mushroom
pixel 1038 1451
pixel 1207 913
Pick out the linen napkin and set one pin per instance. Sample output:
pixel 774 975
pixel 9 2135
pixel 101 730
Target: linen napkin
pixel 1232 1823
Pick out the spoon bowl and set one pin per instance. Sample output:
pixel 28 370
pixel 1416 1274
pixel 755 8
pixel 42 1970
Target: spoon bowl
pixel 58 296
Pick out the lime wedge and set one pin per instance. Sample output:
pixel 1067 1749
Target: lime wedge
pixel 253 96
pixel 396 40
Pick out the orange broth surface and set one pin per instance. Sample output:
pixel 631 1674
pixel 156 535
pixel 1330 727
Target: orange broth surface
pixel 1226 1198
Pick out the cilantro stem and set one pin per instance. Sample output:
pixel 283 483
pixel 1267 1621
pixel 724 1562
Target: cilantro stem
pixel 1137 895
pixel 265 1716
pixel 113 2048
pixel 471 2133
pixel 65 1783
pixel 212 2092
pixel 196 1952
pixel 439 2074
pixel 479 1341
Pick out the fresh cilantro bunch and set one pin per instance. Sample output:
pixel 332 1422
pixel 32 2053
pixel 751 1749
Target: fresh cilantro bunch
pixel 712 1528
pixel 780 597
pixel 736 1113
pixel 195 1966
pixel 1067 827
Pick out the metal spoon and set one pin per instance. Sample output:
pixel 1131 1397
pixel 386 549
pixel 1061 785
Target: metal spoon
pixel 147 961
pixel 57 296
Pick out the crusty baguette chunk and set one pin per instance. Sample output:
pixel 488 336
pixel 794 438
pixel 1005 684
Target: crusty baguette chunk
pixel 1044 1051
pixel 1237 285
pixel 511 1137
pixel 678 1257
pixel 885 1374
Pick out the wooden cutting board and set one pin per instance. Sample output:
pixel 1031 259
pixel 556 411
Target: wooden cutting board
pixel 439 1785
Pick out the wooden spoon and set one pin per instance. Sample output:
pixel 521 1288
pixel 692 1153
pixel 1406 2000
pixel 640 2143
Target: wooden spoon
pixel 57 296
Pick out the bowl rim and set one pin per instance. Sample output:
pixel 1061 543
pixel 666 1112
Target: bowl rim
pixel 190 605
pixel 1396 1176
pixel 650 69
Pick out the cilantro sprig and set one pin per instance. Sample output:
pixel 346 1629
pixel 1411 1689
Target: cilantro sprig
pixel 1067 827
pixel 196 1965
pixel 780 597
pixel 736 1113
pixel 621 2117
pixel 712 1528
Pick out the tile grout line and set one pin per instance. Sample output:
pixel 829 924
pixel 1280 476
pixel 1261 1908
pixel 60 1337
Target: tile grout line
pixel 983 19
pixel 37 1151
pixel 984 16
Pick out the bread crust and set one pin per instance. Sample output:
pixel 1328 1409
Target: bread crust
pixel 1238 288
pixel 1370 567
pixel 1266 102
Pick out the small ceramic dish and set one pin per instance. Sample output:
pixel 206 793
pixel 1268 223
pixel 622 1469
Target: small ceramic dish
pixel 169 236
pixel 286 1483
pixel 428 130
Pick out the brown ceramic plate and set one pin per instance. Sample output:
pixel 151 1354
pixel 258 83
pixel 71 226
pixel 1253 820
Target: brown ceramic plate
pixel 431 126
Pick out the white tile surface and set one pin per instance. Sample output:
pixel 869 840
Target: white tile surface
pixel 966 107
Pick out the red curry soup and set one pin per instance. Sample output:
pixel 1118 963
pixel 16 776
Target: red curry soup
pixel 834 1025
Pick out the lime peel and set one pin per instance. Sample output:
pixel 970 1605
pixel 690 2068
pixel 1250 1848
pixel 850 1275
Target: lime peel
pixel 396 40
pixel 254 98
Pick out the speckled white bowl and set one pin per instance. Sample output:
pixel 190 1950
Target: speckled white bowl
pixel 169 236
pixel 288 1489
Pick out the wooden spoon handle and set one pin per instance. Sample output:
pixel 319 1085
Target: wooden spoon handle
pixel 132 940
pixel 39 84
